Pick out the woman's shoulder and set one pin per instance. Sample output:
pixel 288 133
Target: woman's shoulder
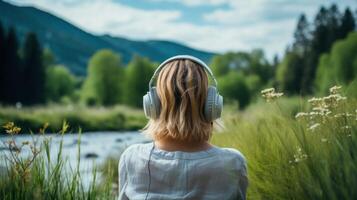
pixel 233 154
pixel 133 149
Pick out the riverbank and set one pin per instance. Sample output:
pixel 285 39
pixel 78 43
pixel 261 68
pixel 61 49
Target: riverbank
pixel 89 119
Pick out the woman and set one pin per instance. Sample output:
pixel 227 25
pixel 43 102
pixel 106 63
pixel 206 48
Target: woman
pixel 181 163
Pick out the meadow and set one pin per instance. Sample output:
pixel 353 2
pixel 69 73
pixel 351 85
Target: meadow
pixel 297 148
pixel 96 118
pixel 306 154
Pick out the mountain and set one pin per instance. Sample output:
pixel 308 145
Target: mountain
pixel 73 46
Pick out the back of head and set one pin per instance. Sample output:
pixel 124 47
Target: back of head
pixel 182 89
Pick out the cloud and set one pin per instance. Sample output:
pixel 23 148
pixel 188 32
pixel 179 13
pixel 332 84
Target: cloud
pixel 244 25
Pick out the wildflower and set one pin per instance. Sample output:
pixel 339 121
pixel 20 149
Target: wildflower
pixel 314 126
pixel 11 128
pixel 299 156
pixel 335 89
pixel 268 90
pixel 14 130
pixel 270 94
pixel 301 115
pixel 8 125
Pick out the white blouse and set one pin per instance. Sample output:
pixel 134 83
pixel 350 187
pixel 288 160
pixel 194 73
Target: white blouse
pixel 216 173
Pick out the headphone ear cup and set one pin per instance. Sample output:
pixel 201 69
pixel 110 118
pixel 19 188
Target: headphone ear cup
pixel 218 107
pixel 156 104
pixel 213 105
pixel 151 104
pixel 146 104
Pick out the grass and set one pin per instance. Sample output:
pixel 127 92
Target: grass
pixel 312 157
pixel 88 118
pixel 44 176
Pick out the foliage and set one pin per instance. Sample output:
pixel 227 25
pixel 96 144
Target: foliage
pixel 339 66
pixel 60 82
pixel 234 88
pixel 312 156
pixel 252 63
pixel 311 40
pixel 289 73
pixel 11 72
pixel 138 74
pixel 34 71
pixel 104 79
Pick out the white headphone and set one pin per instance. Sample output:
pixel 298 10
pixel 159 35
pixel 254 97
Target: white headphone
pixel 213 104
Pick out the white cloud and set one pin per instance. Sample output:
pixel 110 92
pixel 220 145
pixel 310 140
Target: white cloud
pixel 246 25
pixel 193 3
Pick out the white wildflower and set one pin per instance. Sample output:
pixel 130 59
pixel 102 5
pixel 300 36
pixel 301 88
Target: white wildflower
pixel 314 126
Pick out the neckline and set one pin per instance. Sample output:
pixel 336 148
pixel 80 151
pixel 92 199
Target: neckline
pixel 184 154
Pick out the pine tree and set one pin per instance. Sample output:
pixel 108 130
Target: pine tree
pixel 348 24
pixel 12 69
pixel 302 36
pixel 34 71
pixel 319 45
pixel 2 64
pixel 333 25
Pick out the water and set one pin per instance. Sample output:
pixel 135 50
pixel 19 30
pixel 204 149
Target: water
pixel 94 148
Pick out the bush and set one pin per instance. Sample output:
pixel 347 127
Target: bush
pixel 234 88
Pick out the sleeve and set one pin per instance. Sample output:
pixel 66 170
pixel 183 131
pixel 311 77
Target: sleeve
pixel 243 181
pixel 122 177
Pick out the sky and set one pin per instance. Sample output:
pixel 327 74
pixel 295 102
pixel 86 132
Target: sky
pixel 211 25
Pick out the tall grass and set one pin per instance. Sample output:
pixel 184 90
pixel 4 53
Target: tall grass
pixel 312 156
pixel 290 154
pixel 40 175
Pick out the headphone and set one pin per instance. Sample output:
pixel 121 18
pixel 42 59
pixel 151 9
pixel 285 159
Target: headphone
pixel 214 101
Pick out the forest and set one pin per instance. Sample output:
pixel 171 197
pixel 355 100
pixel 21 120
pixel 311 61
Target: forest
pixel 322 54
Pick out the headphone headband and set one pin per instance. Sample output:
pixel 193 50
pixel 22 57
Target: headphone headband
pixel 188 57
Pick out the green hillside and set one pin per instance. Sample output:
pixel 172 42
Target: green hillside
pixel 73 46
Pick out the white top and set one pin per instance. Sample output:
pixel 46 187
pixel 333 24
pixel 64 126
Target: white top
pixel 215 173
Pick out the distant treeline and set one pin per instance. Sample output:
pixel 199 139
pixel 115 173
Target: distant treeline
pixel 22 73
pixel 323 53
pixel 297 71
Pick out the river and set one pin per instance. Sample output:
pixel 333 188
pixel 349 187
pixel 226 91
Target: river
pixel 94 147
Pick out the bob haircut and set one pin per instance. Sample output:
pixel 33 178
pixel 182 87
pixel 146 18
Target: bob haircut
pixel 182 89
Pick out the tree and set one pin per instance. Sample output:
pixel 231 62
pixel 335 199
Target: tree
pixel 249 63
pixel 302 36
pixel 333 24
pixel 59 83
pixel 319 44
pixel 234 88
pixel 339 66
pixel 11 69
pixel 48 59
pixel 258 65
pixel 35 71
pixel 104 78
pixel 347 24
pixel 220 64
pixel 138 74
pixel 2 61
pixel 289 73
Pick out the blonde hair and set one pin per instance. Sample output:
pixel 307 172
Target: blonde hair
pixel 182 89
